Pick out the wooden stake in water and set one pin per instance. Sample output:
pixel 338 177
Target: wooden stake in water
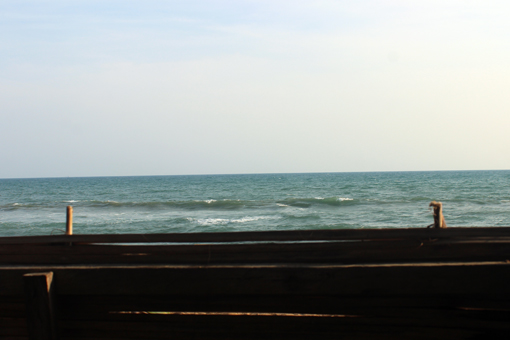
pixel 69 221
pixel 439 221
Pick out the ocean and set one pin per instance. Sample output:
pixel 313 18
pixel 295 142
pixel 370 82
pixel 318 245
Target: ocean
pixel 254 202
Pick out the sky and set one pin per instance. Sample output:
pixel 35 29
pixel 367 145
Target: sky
pixel 128 88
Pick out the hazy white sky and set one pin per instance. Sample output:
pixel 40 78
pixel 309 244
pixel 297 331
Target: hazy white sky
pixel 106 88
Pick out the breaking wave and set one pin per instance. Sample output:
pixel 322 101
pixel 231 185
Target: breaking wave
pixel 223 221
pixel 308 202
pixel 207 204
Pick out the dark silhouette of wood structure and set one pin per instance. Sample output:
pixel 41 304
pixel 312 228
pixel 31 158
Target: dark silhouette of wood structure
pixel 303 284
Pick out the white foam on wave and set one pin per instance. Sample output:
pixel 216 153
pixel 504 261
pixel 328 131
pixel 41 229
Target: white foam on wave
pixel 319 198
pixel 208 221
pixel 254 218
pixel 281 205
pixel 222 221
pixel 345 199
pixel 209 201
pixel 71 201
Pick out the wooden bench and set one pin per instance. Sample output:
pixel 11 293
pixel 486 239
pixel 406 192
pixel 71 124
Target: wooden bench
pixel 350 284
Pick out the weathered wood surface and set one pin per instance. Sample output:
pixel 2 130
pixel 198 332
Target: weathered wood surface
pixel 39 302
pixel 98 307
pixel 350 284
pixel 246 327
pixel 13 323
pixel 381 251
pixel 419 279
pixel 330 246
pixel 439 221
pixel 266 236
pixel 462 300
pixel 69 220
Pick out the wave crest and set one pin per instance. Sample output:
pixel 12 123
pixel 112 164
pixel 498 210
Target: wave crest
pixel 223 221
pixel 206 204
pixel 308 202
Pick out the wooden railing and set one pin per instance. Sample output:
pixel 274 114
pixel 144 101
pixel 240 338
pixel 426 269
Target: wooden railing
pixel 354 284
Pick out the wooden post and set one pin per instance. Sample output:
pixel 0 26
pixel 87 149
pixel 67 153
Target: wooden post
pixel 439 221
pixel 69 222
pixel 39 300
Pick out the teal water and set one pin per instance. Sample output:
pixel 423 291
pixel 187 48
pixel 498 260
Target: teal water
pixel 161 204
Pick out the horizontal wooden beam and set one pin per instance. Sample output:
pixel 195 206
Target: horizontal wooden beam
pixel 420 279
pixel 90 307
pixel 265 236
pixel 446 325
pixel 341 252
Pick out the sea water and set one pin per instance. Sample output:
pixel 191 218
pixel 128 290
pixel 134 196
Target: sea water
pixel 216 203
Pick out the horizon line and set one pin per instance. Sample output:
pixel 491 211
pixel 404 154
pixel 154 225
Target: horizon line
pixel 254 173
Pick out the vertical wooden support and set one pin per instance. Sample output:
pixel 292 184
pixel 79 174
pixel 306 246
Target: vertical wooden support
pixel 69 220
pixel 439 221
pixel 40 311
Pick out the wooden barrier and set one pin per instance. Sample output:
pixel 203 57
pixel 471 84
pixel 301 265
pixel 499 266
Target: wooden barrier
pixel 379 284
pixel 268 236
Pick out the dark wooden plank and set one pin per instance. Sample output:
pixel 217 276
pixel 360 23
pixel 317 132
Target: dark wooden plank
pixel 265 236
pixel 411 317
pixel 249 327
pixel 405 312
pixel 99 307
pixel 390 300
pixel 12 306
pixel 10 326
pixel 375 280
pixel 306 252
pixel 40 313
pixel 13 310
pixel 388 279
